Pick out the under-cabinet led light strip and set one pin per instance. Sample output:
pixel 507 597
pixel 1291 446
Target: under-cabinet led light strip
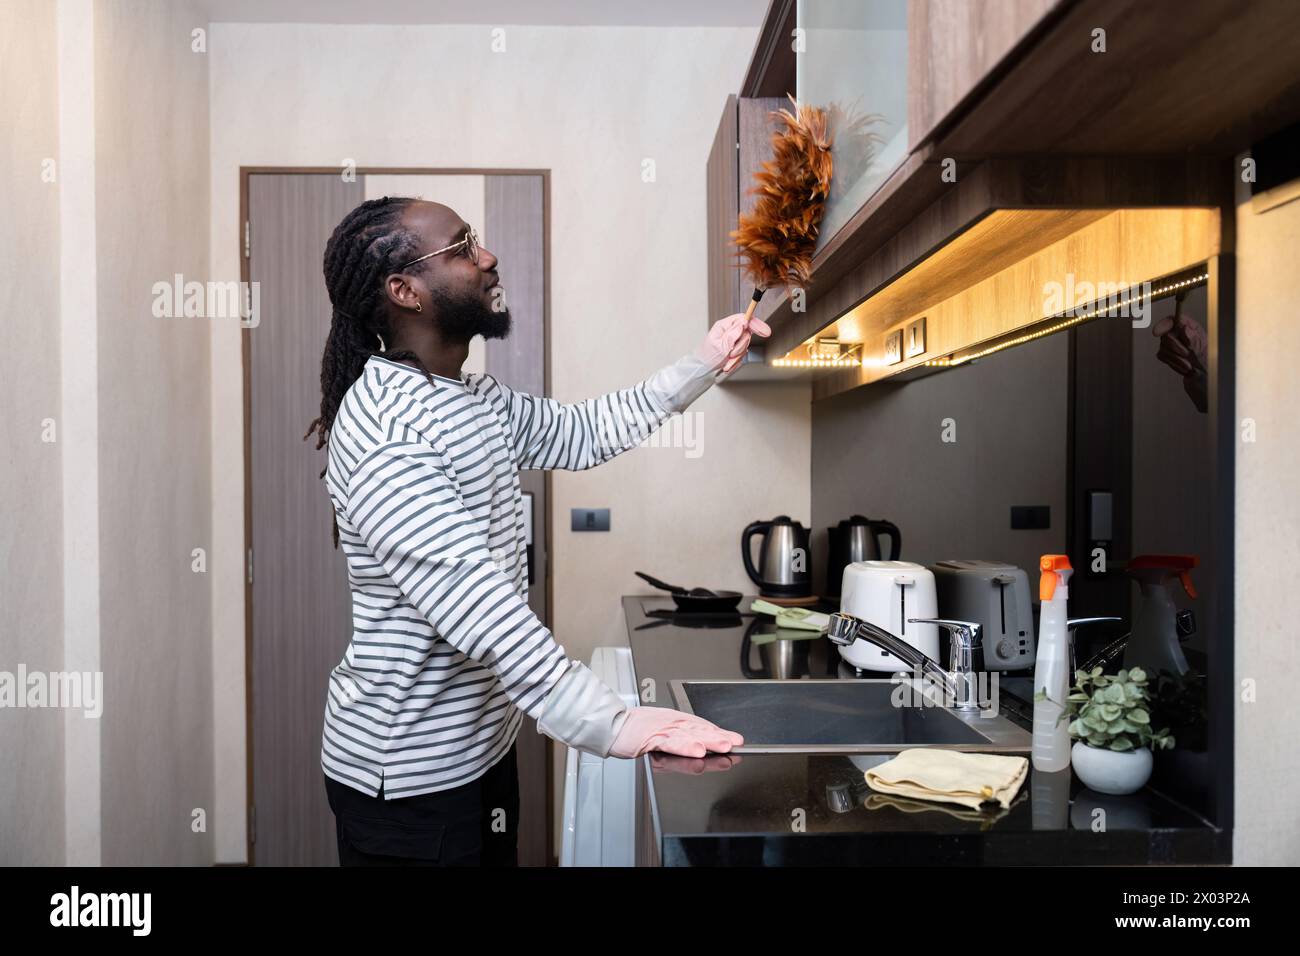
pixel 950 361
pixel 817 363
pixel 1068 323
pixel 845 359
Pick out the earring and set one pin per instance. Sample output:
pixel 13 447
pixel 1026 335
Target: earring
pixel 418 307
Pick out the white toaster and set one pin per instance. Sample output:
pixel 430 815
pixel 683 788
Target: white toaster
pixel 887 593
pixel 995 595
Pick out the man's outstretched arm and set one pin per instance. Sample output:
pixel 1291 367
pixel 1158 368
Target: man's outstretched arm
pixel 548 434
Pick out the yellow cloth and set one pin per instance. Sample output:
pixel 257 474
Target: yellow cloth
pixel 985 816
pixel 950 776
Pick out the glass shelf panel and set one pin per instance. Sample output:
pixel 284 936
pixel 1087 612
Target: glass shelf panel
pixel 853 63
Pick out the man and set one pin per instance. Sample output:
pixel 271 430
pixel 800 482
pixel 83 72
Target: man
pixel 446 656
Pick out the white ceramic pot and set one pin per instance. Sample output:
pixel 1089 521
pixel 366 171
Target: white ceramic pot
pixel 1111 771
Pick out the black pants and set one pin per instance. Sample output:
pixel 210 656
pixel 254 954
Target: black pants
pixel 475 824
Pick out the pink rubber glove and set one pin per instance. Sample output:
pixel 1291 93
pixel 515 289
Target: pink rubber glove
pixel 728 341
pixel 670 731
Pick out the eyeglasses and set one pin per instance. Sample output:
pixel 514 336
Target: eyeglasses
pixel 470 242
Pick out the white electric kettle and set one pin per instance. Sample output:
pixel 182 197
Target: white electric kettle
pixel 887 593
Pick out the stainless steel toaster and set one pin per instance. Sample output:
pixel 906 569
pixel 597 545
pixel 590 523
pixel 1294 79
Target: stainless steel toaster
pixel 995 595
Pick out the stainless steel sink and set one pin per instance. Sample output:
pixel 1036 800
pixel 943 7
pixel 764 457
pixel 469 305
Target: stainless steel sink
pixel 844 716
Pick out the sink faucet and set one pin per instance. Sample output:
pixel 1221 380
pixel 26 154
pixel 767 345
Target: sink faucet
pixel 965 645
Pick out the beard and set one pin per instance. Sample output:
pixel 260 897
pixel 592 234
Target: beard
pixel 461 317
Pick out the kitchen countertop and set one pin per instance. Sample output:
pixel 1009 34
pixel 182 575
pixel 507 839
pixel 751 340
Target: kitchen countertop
pixel 772 809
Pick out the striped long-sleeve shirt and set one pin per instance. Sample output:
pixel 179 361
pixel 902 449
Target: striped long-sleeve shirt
pixel 446 655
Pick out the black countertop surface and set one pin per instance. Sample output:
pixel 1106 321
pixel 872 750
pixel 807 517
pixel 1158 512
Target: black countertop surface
pixel 773 809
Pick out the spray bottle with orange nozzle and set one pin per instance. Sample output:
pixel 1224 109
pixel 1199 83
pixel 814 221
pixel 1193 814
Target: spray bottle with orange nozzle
pixel 1050 749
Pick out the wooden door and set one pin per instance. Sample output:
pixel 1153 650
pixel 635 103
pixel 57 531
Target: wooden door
pixel 514 210
pixel 301 605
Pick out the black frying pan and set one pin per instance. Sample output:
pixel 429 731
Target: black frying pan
pixel 698 600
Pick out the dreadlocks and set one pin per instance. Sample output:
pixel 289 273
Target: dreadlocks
pixel 368 245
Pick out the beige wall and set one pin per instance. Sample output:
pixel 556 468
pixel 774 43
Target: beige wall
pixel 628 283
pixel 151 136
pixel 79 330
pixel 31 587
pixel 103 523
pixel 1267 773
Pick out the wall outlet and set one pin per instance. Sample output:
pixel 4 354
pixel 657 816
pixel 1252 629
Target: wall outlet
pixel 589 519
pixel 914 338
pixel 894 347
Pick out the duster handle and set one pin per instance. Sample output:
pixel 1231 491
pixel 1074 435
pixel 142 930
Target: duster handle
pixel 753 304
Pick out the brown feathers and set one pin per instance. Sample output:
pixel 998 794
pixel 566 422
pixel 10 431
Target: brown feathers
pixel 777 237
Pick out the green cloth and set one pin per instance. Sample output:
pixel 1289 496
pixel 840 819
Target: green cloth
pixel 795 618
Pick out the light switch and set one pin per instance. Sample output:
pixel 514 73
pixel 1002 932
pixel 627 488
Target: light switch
pixel 914 338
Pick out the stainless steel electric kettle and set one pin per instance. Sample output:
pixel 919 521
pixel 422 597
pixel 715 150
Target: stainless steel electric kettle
pixel 857 539
pixel 783 557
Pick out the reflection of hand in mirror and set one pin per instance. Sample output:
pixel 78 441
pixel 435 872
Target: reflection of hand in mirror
pixel 1183 346
pixel 1185 349
pixel 671 763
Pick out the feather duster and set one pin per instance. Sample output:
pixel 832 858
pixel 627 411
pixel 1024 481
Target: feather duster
pixel 777 237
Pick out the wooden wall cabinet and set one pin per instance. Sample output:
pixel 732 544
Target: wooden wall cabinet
pixel 953 47
pixel 1012 114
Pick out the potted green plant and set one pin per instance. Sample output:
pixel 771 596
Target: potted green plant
pixel 1110 722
